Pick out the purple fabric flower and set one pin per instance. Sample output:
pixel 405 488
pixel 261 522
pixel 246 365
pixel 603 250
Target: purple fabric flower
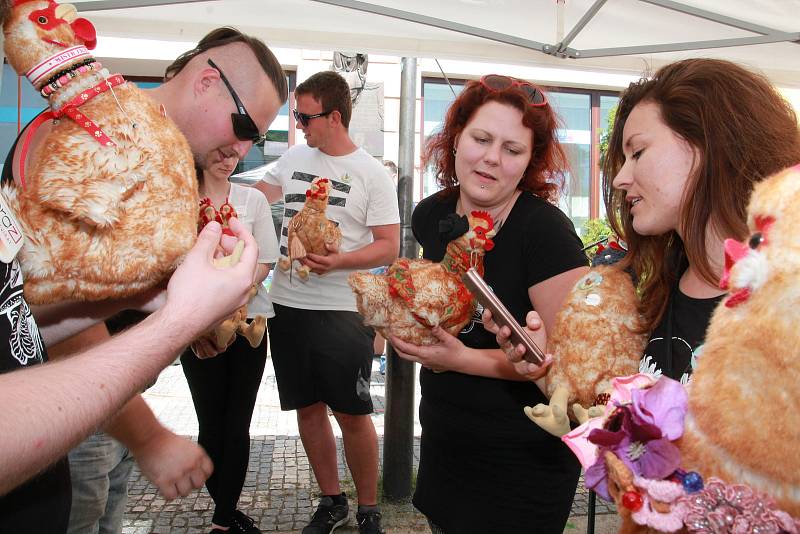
pixel 641 433
pixel 663 405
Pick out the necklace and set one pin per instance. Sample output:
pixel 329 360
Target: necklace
pixel 498 214
pixel 209 213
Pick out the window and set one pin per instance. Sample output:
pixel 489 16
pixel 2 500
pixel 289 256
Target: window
pixel 607 104
pixel 575 135
pixel 436 99
pixel 17 107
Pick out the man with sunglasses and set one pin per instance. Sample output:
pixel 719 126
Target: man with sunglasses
pixel 222 95
pixel 321 349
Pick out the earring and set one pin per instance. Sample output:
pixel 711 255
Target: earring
pixel 454 151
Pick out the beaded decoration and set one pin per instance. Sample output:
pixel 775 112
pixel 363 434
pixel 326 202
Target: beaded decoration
pixel 63 78
pixel 209 213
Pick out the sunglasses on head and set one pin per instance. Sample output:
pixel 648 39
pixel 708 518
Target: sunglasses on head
pixel 304 118
pixel 244 128
pixel 498 82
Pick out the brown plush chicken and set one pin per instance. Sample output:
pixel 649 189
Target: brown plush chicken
pixel 310 230
pixel 739 465
pixel 108 200
pixel 743 424
pixel 594 340
pixel 416 295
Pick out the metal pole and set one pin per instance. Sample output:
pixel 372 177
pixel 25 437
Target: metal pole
pixel 590 517
pixel 398 439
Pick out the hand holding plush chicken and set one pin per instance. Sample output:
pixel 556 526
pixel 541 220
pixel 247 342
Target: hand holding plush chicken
pixel 595 339
pixel 309 230
pixel 108 200
pixel 416 295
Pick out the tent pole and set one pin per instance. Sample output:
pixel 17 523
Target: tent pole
pixel 126 4
pixel 398 440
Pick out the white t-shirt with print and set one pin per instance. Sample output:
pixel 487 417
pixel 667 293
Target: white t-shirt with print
pixel 253 210
pixel 362 195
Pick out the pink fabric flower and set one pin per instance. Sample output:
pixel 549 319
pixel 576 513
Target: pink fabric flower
pixel 621 393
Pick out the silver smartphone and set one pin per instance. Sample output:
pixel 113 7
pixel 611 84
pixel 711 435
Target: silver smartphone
pixel 476 284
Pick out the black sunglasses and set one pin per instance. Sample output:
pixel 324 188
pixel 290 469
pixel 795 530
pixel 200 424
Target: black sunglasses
pixel 303 118
pixel 244 127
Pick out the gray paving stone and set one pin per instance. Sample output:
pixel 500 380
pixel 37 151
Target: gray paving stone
pixel 279 490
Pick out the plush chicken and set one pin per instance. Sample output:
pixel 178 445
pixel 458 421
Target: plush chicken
pixel 743 423
pixel 730 448
pixel 310 230
pixel 108 201
pixel 222 334
pixel 416 295
pixel 595 339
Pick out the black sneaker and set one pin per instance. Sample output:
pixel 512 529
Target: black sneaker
pixel 328 517
pixel 369 522
pixel 244 523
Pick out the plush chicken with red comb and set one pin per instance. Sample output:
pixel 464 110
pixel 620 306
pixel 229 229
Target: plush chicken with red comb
pixel 415 295
pixel 310 230
pixel 107 201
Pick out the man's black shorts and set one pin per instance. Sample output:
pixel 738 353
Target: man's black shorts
pixel 322 355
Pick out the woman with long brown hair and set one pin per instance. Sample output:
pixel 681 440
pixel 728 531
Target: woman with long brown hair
pixel 687 148
pixel 484 467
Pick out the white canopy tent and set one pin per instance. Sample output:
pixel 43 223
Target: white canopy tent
pixel 622 36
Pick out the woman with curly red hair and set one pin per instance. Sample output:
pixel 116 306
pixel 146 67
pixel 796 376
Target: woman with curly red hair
pixel 483 466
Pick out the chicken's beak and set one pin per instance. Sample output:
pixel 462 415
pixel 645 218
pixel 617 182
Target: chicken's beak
pixel 66 12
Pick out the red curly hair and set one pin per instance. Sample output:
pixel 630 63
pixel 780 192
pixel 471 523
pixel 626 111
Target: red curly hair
pixel 546 171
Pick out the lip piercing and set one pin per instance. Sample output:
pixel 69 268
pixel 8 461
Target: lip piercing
pixel 483 187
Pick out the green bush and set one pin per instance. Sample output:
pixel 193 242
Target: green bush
pixel 594 230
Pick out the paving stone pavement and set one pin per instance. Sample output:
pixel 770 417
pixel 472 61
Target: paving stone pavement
pixel 279 492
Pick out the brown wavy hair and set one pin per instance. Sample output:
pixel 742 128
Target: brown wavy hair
pixel 330 89
pixel 546 171
pixel 742 130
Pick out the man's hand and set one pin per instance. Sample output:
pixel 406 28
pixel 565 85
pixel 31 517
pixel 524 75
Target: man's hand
pixel 323 264
pixel 204 347
pixel 202 294
pixel 176 465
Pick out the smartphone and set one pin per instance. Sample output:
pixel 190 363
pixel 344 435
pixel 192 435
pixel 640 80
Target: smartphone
pixel 502 316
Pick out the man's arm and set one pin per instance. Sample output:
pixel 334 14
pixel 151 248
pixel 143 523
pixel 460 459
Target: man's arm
pixel 274 193
pixel 58 322
pixel 176 465
pixel 48 409
pixel 382 251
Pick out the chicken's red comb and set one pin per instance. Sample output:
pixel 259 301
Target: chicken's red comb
pixel 486 217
